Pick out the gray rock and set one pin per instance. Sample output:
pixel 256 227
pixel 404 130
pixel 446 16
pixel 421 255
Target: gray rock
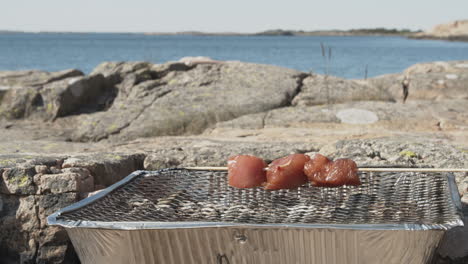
pixel 28 161
pixel 108 69
pixel 20 91
pixel 20 102
pixel 64 97
pixel 206 152
pixel 18 181
pixel 106 168
pixel 125 109
pixel 51 254
pixel 57 76
pixel 66 182
pixel 43 169
pixel 299 116
pixel 19 224
pixel 24 231
pixel 54 99
pixel 41 139
pixel 250 121
pixel 448 67
pixel 53 244
pixel 404 151
pixel 427 81
pixel 357 116
pixel 416 115
pixel 455 30
pixel 166 68
pixel 187 102
pixel 51 203
pixel 55 170
pixel 34 78
pixel 453 248
pixel 25 236
pixel 321 89
pixel 137 86
pixel 190 61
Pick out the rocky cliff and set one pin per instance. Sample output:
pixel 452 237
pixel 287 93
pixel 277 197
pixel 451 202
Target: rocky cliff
pixel 456 30
pixel 66 134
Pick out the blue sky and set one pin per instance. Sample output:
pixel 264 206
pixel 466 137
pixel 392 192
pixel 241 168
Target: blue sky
pixel 224 16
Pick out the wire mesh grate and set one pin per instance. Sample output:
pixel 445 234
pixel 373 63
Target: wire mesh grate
pixel 178 195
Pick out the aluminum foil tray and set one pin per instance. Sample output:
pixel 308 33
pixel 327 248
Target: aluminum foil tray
pixel 186 216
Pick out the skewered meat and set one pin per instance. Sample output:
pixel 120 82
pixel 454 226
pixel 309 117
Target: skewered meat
pixel 245 171
pixel 326 173
pixel 286 172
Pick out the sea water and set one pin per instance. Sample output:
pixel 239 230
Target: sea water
pixel 351 56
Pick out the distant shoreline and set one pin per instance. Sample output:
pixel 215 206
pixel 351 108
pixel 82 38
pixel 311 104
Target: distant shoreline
pixel 377 32
pixel 462 38
pixel 276 32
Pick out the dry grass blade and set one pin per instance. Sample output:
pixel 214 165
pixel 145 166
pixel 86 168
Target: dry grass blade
pixel 323 49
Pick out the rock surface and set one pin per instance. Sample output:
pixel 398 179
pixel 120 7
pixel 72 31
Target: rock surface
pixel 188 100
pixel 448 115
pixel 456 30
pixel 212 152
pixel 127 116
pixel 427 81
pixel 33 187
pixel 51 99
pixel 18 79
pixel 321 89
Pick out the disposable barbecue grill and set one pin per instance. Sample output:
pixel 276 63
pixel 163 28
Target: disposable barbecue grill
pixel 194 216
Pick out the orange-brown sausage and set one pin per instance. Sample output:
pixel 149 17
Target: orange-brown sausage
pixel 286 172
pixel 245 171
pixel 326 173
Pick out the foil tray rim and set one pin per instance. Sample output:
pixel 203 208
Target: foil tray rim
pixel 191 225
pixel 52 219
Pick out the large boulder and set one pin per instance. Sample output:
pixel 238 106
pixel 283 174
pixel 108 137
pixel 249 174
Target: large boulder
pixel 20 102
pixel 51 95
pixel 188 100
pixel 427 81
pixel 73 95
pixel 19 90
pixel 137 85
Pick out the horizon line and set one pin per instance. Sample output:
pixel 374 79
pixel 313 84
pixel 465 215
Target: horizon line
pixel 188 32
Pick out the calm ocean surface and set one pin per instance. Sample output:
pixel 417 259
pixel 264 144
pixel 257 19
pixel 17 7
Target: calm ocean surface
pixel 350 55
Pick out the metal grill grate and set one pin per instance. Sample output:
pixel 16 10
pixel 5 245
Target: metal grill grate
pixel 178 195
